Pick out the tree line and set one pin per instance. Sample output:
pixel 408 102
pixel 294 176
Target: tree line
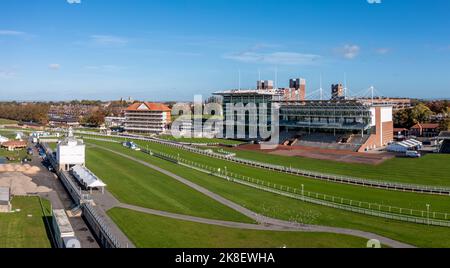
pixel 424 112
pixel 25 112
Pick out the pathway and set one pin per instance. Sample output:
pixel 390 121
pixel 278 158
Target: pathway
pixel 260 218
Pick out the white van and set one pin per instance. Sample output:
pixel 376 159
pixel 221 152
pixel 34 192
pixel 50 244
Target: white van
pixel 413 154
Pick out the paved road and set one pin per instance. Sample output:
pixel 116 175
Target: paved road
pixel 263 219
pixel 59 199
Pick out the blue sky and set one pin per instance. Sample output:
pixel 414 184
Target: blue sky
pixel 172 49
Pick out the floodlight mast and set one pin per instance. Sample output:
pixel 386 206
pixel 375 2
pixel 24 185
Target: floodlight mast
pixel 321 89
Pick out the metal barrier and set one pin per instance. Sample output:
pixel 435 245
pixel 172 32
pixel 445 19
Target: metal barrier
pixel 97 224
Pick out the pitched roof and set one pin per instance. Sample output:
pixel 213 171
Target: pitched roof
pixel 14 144
pixel 429 125
pixel 148 106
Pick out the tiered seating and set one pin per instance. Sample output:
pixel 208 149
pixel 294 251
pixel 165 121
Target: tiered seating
pixel 445 148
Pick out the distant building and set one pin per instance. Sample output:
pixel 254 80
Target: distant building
pixel 114 121
pixel 14 145
pixel 147 117
pixel 64 122
pixel 337 92
pixel 264 85
pixel 297 90
pixel 70 152
pixel 397 103
pixel 5 200
pixel 3 139
pixel 425 130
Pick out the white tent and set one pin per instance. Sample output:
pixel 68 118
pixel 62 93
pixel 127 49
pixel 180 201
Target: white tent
pixel 402 147
pixel 3 139
pixel 87 178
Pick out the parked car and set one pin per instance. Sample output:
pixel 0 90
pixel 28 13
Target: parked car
pixel 413 154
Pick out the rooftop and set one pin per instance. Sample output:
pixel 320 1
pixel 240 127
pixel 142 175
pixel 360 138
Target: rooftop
pixel 148 106
pixel 4 194
pixel 86 177
pixel 425 125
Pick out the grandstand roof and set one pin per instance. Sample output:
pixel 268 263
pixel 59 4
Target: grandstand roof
pixel 86 177
pixel 444 135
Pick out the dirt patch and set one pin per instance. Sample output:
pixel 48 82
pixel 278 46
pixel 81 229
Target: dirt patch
pixel 21 184
pixel 322 154
pixel 26 169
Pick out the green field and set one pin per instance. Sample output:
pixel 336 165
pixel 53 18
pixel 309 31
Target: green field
pixel 149 231
pixel 432 169
pixel 289 209
pixel 17 230
pixel 8 134
pixel 7 122
pixel 16 155
pixel 136 184
pixel 356 193
pixel 201 140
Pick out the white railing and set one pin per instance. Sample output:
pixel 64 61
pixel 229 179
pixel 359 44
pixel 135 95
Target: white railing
pixel 416 188
pixel 374 209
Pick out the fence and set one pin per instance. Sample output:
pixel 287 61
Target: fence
pixel 373 209
pixel 415 188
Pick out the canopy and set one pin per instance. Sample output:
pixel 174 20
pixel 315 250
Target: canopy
pixel 86 177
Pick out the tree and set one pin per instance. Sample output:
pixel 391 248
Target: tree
pixel 402 118
pixel 421 113
pixel 444 125
pixel 95 118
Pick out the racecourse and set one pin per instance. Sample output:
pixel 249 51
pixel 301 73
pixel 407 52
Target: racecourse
pixel 293 210
pixel 151 231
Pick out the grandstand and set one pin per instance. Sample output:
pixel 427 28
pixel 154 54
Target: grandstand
pixel 444 142
pixel 347 124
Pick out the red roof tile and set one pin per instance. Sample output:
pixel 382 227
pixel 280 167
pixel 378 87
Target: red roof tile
pixel 150 105
pixel 426 125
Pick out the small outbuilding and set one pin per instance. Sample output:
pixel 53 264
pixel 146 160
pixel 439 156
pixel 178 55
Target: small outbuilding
pixel 14 145
pixel 5 200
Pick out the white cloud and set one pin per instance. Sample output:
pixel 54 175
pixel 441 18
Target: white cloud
pixel 11 33
pixel 74 1
pixel 6 73
pixel 107 68
pixel 282 58
pixel 349 51
pixel 54 66
pixel 108 40
pixel 382 51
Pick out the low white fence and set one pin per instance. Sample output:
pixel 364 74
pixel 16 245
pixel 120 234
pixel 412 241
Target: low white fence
pixel 373 209
pixel 415 188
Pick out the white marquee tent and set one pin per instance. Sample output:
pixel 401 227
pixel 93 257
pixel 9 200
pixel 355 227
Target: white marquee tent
pixel 87 178
pixel 402 147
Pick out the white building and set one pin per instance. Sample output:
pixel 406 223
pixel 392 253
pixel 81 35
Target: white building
pixel 146 117
pixel 70 152
pixel 114 121
pixel 3 139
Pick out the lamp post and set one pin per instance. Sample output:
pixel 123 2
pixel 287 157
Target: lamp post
pixel 428 214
